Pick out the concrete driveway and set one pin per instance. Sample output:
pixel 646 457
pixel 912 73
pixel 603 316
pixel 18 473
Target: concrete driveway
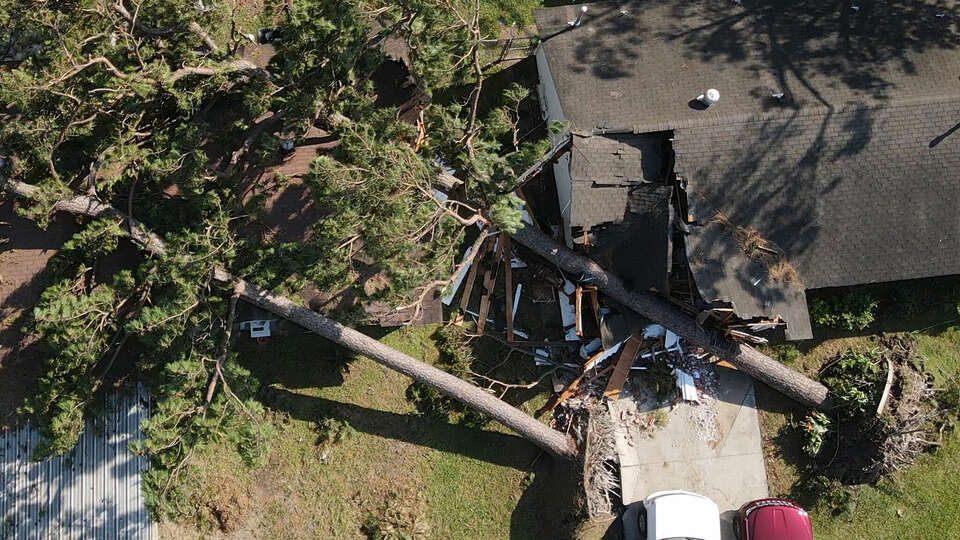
pixel 713 448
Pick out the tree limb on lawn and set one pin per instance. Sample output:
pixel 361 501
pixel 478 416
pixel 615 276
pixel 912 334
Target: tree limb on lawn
pixel 552 441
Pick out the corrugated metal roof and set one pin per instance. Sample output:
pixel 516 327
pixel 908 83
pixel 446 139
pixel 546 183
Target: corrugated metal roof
pixel 94 491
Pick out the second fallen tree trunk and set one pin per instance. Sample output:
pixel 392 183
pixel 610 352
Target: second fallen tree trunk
pixel 749 360
pixel 529 428
pixel 549 439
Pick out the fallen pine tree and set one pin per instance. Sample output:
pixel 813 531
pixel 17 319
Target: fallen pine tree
pixel 749 360
pixel 548 439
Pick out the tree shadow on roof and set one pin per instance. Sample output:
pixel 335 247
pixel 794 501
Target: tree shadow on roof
pixel 814 48
pixel 608 59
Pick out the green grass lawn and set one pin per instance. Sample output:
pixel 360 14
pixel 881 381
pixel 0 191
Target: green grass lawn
pixel 454 481
pixel 920 502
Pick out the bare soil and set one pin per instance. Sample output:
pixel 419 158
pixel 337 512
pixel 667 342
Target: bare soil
pixel 24 252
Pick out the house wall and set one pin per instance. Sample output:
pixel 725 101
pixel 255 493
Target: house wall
pixel 561 172
pixel 552 111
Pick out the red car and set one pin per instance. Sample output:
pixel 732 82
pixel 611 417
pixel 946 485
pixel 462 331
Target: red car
pixel 773 519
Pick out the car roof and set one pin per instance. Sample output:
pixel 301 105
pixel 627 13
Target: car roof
pixel 681 514
pixel 779 520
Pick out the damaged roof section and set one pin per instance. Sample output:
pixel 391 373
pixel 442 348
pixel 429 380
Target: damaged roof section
pixel 638 248
pixel 619 198
pixel 725 273
pixel 604 168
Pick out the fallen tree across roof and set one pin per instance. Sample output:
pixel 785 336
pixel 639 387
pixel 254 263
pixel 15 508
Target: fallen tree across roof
pixel 529 428
pixel 749 360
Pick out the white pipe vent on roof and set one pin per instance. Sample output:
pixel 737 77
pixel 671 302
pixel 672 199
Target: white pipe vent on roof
pixel 709 97
pixel 576 22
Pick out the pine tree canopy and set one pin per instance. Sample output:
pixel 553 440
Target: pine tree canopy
pixel 161 109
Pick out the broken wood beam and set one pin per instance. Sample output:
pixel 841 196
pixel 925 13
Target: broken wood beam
pixel 594 303
pixel 621 370
pixel 489 281
pixel 747 359
pixel 472 276
pixel 578 303
pixel 572 388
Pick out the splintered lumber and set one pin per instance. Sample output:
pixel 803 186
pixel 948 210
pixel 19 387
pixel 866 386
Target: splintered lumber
pixel 747 359
pixel 622 368
pixel 508 276
pixel 489 280
pixel 572 388
pixel 472 276
pixel 724 364
pixel 885 396
pixel 529 428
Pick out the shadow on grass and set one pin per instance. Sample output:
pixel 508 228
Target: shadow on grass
pixel 922 305
pixel 489 446
pixel 549 505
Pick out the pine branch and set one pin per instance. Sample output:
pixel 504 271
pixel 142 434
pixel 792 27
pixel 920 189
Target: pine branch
pixel 552 441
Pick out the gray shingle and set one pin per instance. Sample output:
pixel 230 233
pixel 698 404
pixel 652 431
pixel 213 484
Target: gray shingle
pixel 854 174
pixel 640 70
pixel 879 206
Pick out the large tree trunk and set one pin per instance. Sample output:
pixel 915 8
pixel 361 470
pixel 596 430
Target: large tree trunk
pixel 747 359
pixel 550 440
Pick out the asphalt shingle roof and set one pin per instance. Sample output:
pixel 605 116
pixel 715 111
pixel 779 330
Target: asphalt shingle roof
pixel 638 64
pixel 861 195
pixel 833 137
pixel 602 169
pixel 723 272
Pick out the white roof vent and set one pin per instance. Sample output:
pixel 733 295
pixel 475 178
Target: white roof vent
pixel 576 22
pixel 709 97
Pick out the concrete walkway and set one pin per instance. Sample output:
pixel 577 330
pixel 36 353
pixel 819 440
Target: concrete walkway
pixel 713 449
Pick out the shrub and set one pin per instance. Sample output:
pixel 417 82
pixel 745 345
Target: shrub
pixel 820 491
pixel 456 354
pixel 333 430
pixel 430 402
pixel 815 428
pixel 854 310
pixel 856 380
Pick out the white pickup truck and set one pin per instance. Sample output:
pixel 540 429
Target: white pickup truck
pixel 675 515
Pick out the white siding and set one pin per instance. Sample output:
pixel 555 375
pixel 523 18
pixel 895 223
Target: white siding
pixel 549 99
pixel 553 112
pixel 561 172
pixel 94 491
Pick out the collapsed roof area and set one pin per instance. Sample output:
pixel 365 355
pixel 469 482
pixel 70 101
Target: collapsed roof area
pixel 826 162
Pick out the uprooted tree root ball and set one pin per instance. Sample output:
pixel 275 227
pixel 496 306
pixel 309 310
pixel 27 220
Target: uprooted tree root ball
pixel 857 444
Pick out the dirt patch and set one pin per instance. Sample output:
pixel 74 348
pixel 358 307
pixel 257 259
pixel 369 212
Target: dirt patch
pixel 24 252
